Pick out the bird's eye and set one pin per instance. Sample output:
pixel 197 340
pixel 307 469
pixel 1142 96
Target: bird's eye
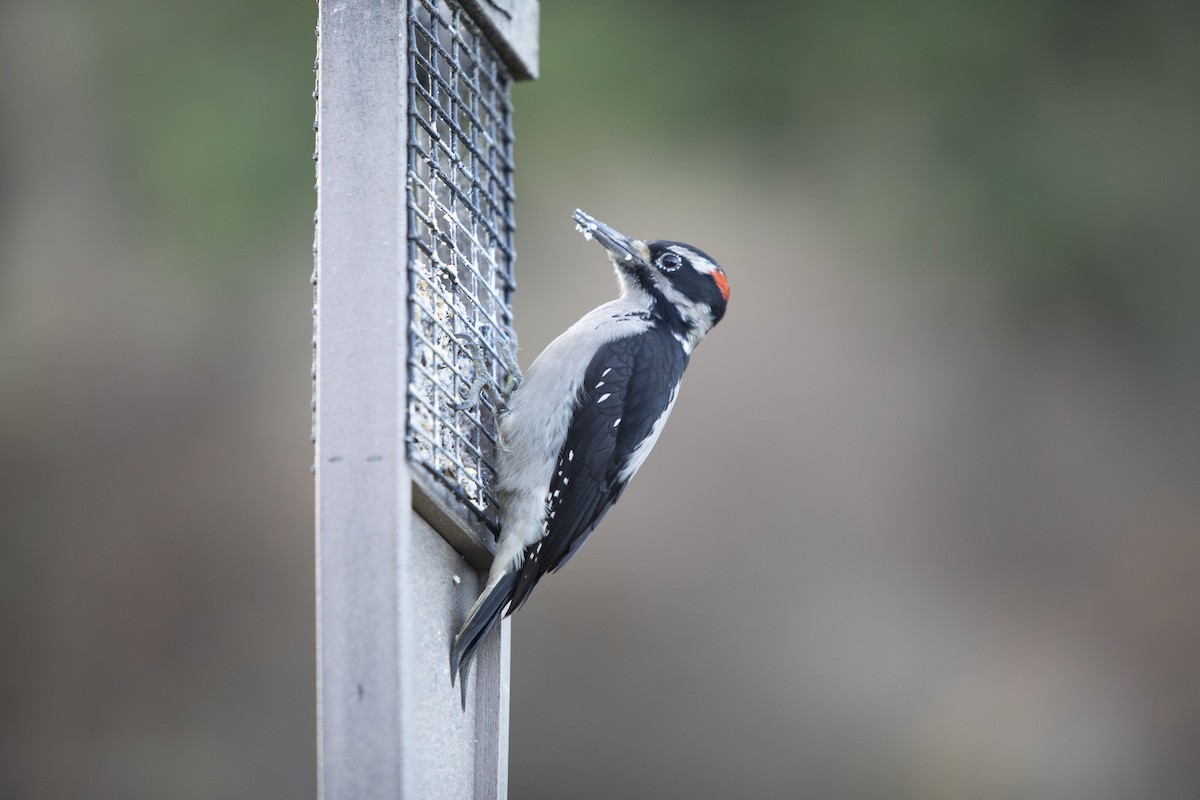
pixel 669 262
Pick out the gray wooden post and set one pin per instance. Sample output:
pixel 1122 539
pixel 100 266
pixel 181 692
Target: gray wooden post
pixel 414 257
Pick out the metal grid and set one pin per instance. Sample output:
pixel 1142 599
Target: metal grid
pixel 460 239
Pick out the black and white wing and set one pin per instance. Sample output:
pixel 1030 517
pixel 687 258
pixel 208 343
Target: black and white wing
pixel 628 391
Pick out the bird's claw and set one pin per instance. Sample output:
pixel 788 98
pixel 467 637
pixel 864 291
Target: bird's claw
pixel 483 379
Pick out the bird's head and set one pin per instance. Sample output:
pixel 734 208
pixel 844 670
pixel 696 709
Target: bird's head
pixel 685 284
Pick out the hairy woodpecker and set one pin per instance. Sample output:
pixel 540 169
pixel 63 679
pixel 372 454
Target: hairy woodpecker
pixel 587 413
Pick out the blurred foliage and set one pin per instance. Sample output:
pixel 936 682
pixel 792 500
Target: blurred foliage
pixel 209 118
pixel 1049 146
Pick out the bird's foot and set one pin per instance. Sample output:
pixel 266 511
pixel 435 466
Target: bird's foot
pixel 483 378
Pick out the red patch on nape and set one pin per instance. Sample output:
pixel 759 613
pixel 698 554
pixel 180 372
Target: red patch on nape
pixel 722 284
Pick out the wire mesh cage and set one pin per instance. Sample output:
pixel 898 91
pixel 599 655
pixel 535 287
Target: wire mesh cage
pixel 460 239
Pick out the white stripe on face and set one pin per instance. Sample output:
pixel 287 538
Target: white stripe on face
pixel 697 315
pixel 698 262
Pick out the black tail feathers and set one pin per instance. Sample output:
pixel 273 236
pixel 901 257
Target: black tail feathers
pixel 482 617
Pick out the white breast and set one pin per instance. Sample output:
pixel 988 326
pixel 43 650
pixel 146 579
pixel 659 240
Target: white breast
pixel 535 426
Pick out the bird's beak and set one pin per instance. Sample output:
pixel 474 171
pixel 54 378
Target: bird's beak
pixel 625 251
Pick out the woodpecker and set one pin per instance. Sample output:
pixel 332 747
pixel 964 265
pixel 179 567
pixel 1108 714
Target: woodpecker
pixel 587 413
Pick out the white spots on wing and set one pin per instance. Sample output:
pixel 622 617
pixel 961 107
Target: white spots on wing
pixel 557 492
pixel 604 397
pixel 602 374
pixel 618 422
pixel 566 482
pixel 598 385
pixel 570 455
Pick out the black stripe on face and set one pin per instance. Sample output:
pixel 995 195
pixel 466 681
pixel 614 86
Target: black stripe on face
pixel 693 277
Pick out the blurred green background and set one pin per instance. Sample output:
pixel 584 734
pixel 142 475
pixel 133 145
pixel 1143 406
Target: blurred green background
pixel 926 523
